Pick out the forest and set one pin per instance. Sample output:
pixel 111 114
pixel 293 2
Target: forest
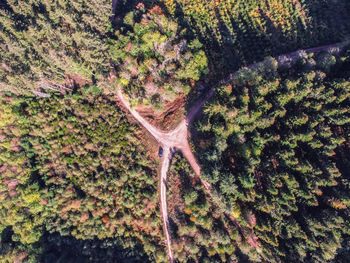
pixel 80 177
pixel 275 143
pixel 247 31
pixel 72 165
pixel 155 62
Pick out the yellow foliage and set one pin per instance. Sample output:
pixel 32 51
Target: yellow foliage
pixel 236 212
pixel 337 204
pixel 124 82
pixel 31 197
pixel 6 115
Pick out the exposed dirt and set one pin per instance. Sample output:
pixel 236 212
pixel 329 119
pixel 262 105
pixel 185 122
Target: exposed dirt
pixel 169 118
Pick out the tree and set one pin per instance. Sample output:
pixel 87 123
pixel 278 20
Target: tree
pixel 154 62
pixel 44 42
pixel 281 145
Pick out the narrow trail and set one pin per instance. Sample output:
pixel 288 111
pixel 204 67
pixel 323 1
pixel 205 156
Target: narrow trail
pixel 163 203
pixel 177 139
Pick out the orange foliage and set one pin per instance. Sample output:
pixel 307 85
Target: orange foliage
pixel 105 219
pixel 156 10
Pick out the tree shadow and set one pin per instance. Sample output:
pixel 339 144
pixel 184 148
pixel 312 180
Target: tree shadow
pixel 67 249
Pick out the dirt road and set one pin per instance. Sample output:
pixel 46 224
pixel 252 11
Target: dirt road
pixel 163 203
pixel 177 139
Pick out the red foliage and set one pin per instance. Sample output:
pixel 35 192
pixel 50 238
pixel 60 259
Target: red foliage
pixel 192 82
pixel 66 149
pixel 13 193
pixel 3 168
pixel 251 219
pixel 14 144
pixel 274 163
pixel 84 217
pixel 16 149
pixel 253 240
pixel 128 47
pixel 12 184
pixel 14 169
pixel 44 201
pixel 19 258
pixel 140 6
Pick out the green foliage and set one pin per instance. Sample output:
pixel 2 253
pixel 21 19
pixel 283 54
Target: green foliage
pixel 73 164
pixel 200 231
pixel 46 40
pixel 237 33
pixel 280 141
pixel 16 196
pixel 154 62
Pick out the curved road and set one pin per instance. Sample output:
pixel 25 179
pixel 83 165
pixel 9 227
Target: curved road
pixel 177 139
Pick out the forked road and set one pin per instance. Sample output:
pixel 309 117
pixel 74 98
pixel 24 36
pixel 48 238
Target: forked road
pixel 172 141
pixel 177 139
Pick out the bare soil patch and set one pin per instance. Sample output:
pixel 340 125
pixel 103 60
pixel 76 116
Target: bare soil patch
pixel 169 118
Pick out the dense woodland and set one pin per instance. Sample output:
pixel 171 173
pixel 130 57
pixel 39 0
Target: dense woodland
pixel 42 41
pixel 275 143
pixel 247 31
pixel 202 231
pixel 78 178
pixel 73 164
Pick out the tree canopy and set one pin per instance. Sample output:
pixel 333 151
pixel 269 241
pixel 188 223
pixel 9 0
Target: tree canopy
pixel 73 164
pixel 43 41
pixel 154 61
pixel 277 145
